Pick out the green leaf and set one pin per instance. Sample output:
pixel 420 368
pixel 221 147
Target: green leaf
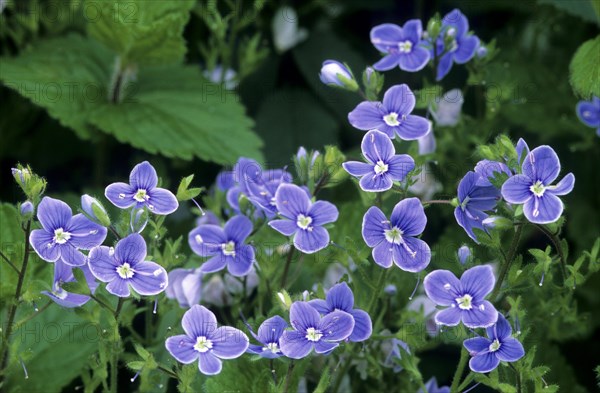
pixel 11 238
pixel 55 347
pixel 141 31
pixel 585 73
pixel 585 9
pixel 168 110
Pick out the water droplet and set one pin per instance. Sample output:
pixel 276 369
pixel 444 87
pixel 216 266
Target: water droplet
pixel 447 286
pixel 157 272
pixel 111 251
pixel 121 196
pixel 151 207
pixel 93 232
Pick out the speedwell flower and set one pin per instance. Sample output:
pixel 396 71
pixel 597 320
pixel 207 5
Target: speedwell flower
pixel 313 332
pixel 465 298
pixel 63 235
pixel 383 165
pixel 402 46
pixel 142 191
pixel 499 346
pixel 589 113
pixel 488 170
pixel 125 266
pixel 341 298
pixel 461 45
pixel 204 342
pixel 226 246
pixel 533 187
pixel 392 116
pixel 63 273
pixel 302 218
pixel 474 199
pixel 269 334
pixel 185 286
pixel 394 240
pixel 337 74
pixel 432 387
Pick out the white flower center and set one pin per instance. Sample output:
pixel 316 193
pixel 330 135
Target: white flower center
pixel 228 248
pixel 141 195
pixel 538 188
pixel 405 47
pixel 198 239
pixel 464 302
pixel 495 345
pixel 304 221
pixel 451 32
pixel 61 236
pixel 203 344
pixel 313 334
pixel 381 167
pixel 58 291
pixel 391 119
pixel 125 271
pixel 273 347
pixel 393 235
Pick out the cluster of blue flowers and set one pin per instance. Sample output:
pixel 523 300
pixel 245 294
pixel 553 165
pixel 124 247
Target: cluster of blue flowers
pixel 256 195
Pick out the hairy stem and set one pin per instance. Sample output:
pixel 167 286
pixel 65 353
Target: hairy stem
pixel 286 269
pixel 464 356
pixel 12 311
pixel 288 377
pixel 507 261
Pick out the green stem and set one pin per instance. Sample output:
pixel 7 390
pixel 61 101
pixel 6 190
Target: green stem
pixel 343 371
pixel 114 372
pixel 35 314
pixel 507 262
pixel 12 312
pixel 464 356
pixel 170 373
pixel 556 242
pixel 9 262
pixel 437 202
pixel 378 288
pixel 286 269
pixel 119 307
pixel 288 377
pixel 101 303
pixel 114 232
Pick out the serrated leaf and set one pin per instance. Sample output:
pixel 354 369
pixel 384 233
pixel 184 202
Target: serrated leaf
pixel 142 31
pixel 168 110
pixel 585 73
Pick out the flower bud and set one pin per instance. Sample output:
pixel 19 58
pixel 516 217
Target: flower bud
pixel 21 175
pixel 94 210
pixel 32 185
pixel 304 164
pixel 139 219
pixel 390 290
pixel 434 26
pixel 496 222
pixel 373 82
pixel 285 301
pixel 334 73
pixel 464 254
pixel 26 209
pixel 481 52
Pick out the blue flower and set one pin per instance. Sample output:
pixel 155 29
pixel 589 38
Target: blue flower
pixel 63 235
pixel 204 342
pixel 533 187
pixel 432 387
pixel 465 298
pixel 392 116
pixel 185 286
pixel 395 240
pixel 302 218
pixel 142 191
pixel 589 113
pixel 474 199
pixel 226 246
pixel 499 346
pixel 383 165
pixel 126 266
pixel 269 334
pixel 341 298
pixel 488 170
pixel 394 353
pixel 63 273
pixel 402 46
pixel 462 46
pixel 258 185
pixel 313 332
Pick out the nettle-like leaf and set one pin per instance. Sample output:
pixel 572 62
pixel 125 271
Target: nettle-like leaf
pixel 585 74
pixel 141 31
pixel 170 110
